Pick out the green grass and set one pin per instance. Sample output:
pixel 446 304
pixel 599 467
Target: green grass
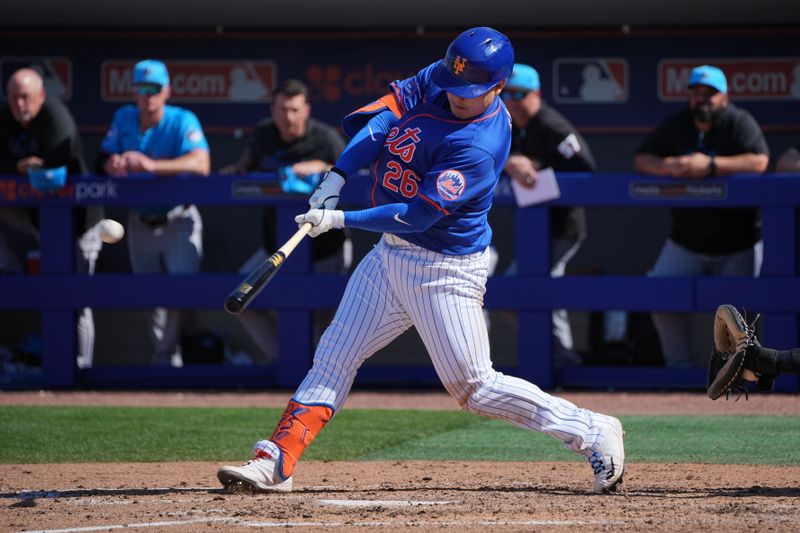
pixel 47 434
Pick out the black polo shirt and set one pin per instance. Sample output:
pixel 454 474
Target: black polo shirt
pixel 713 231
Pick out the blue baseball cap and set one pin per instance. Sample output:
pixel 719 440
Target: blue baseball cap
pixel 709 76
pixel 523 77
pixel 150 71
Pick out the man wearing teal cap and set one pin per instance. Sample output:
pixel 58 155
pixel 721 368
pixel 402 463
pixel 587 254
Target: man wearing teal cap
pixel 711 137
pixel 151 139
pixel 543 138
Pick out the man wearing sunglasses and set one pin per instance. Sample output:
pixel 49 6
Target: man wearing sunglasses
pixel 542 138
pixel 709 137
pixel 151 139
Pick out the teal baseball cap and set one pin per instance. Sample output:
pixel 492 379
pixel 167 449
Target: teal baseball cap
pixel 523 77
pixel 709 76
pixel 150 71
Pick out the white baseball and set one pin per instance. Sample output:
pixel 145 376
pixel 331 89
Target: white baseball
pixel 111 231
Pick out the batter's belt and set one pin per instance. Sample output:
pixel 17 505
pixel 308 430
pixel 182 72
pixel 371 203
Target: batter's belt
pixel 394 240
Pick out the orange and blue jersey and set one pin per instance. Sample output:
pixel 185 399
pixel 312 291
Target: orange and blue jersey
pixel 434 175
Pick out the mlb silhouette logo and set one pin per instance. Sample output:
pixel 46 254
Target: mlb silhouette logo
pixel 590 80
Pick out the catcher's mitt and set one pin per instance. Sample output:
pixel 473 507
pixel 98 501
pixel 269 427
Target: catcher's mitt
pixel 734 341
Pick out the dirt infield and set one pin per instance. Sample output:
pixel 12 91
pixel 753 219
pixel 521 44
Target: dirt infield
pixel 419 496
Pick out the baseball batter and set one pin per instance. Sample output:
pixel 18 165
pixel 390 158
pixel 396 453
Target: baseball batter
pixel 436 146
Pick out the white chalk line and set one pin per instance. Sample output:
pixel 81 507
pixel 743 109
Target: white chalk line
pixel 31 494
pixel 409 523
pixel 677 524
pixel 382 503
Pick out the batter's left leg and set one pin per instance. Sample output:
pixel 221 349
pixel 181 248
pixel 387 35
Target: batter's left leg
pixel 445 304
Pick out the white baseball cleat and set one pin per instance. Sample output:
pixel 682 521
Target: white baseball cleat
pixel 607 458
pixel 259 474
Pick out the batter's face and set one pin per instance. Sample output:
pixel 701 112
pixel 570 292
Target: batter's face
pixel 25 96
pixel 466 108
pixel 290 114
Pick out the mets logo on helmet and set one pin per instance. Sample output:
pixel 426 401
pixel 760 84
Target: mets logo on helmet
pixel 459 64
pixel 450 184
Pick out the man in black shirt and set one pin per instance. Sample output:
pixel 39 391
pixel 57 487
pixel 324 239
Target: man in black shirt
pixel 542 138
pixel 297 147
pixel 711 137
pixel 34 132
pixel 37 131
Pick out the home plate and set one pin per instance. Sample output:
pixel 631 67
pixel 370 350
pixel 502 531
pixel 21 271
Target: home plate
pixel 381 503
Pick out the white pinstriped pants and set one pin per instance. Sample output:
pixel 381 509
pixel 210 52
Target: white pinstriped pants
pixel 398 285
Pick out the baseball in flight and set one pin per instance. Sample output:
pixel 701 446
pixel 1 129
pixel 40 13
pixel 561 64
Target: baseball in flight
pixel 111 231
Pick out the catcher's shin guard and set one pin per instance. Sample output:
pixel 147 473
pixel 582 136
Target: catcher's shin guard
pixel 298 426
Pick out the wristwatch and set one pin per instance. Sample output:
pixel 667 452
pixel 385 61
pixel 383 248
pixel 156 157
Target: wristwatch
pixel 712 166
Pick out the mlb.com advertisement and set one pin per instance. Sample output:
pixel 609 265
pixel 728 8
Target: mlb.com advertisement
pixel 621 82
pixel 197 81
pixel 754 79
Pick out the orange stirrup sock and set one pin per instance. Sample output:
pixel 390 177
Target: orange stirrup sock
pixel 298 426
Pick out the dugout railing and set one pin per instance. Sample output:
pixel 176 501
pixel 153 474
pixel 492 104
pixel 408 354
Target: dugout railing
pixel 57 292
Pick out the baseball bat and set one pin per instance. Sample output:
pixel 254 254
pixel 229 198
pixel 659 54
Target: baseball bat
pixel 238 300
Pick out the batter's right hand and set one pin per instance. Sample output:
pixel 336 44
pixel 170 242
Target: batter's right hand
pixel 322 219
pixel 326 195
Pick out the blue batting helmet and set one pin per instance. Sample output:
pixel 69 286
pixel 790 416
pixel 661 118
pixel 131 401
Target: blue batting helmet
pixel 476 61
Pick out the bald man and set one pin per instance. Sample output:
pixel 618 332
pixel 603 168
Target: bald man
pixel 39 131
pixel 35 130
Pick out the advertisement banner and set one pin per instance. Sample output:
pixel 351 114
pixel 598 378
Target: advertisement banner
pixel 626 83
